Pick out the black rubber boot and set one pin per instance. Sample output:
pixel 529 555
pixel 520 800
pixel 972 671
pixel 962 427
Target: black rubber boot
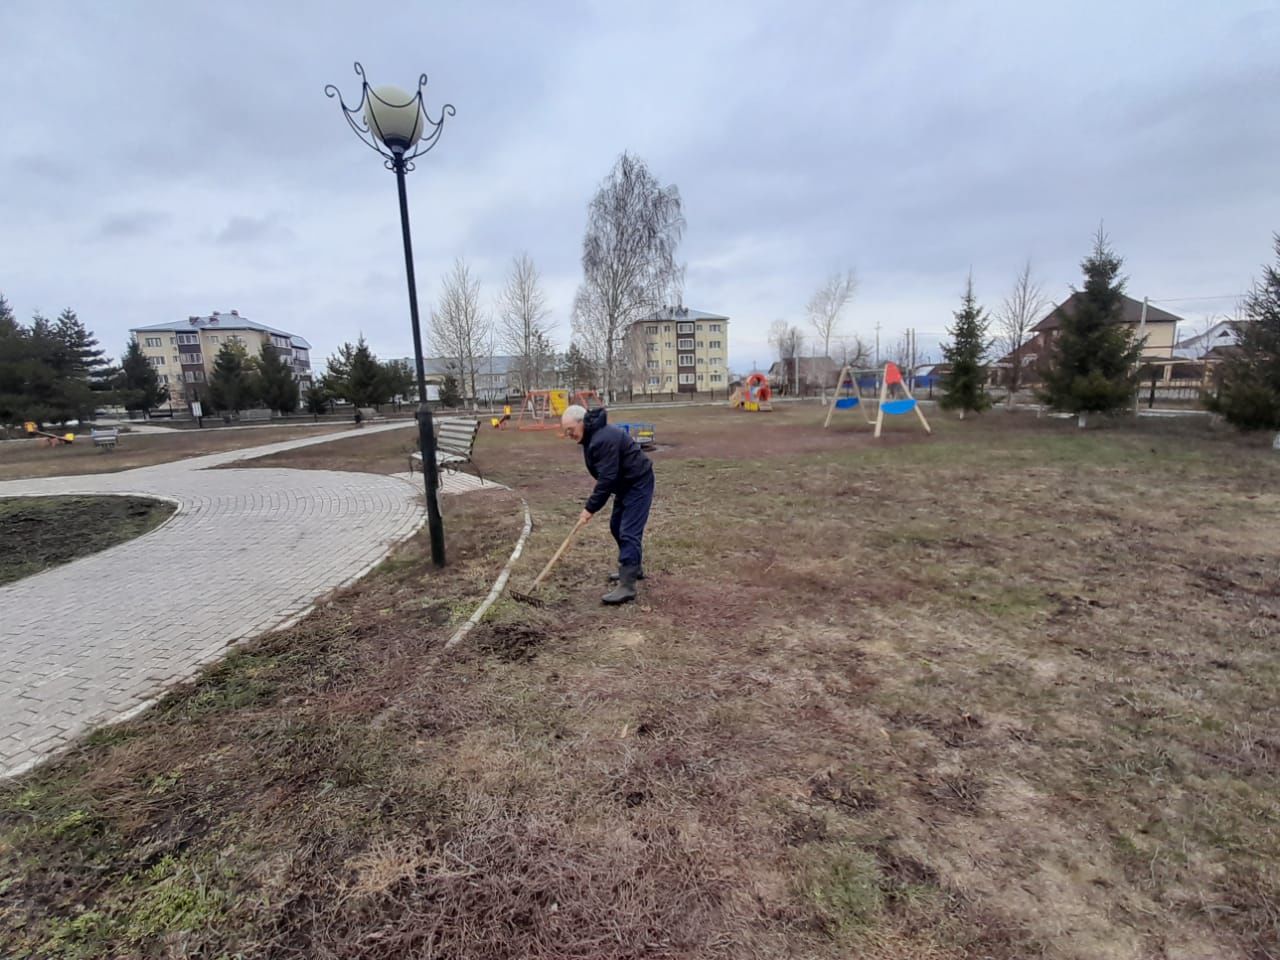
pixel 626 588
pixel 613 577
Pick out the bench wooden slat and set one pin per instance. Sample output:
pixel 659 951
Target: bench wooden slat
pixel 455 441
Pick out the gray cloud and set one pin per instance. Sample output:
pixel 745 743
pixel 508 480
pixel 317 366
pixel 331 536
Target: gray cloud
pixel 138 223
pixel 912 141
pixel 246 230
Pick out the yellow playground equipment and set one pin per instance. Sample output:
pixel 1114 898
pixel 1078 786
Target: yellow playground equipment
pixel 541 409
pixel 50 439
pixel 754 395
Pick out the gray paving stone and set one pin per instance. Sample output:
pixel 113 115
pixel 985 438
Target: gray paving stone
pixel 247 550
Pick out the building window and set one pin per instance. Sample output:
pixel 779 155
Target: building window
pixel 194 376
pixel 156 361
pixel 188 338
pixel 668 378
pixel 714 328
pixel 154 342
pixel 699 378
pixel 701 361
pixel 717 361
pixel 716 378
pixel 668 363
pixel 669 345
pixel 701 344
pixel 684 328
pixel 685 359
pixel 213 338
pixel 653 364
pixel 666 328
pixel 716 344
pixel 686 378
pixel 163 378
pixel 686 344
pixel 651 329
pixel 193 358
pixel 653 381
pixel 652 347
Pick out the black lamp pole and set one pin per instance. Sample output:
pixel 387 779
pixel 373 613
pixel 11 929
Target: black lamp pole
pixel 426 430
pixel 399 148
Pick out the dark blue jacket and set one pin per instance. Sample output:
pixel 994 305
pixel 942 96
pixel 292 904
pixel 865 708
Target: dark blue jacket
pixel 613 458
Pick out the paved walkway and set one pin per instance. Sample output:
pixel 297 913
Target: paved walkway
pixel 247 550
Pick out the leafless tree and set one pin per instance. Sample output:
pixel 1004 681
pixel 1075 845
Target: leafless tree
pixel 522 312
pixel 852 350
pixel 826 305
pixel 1014 320
pixel 788 340
pixel 459 327
pixel 634 225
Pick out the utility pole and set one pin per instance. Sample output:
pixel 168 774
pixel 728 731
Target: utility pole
pixel 877 343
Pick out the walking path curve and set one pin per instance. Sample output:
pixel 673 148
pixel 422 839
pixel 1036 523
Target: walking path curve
pixel 247 551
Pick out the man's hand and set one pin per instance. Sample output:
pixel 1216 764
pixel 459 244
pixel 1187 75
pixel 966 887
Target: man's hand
pixel 584 517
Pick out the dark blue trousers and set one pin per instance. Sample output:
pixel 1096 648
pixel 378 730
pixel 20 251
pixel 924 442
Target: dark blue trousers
pixel 626 523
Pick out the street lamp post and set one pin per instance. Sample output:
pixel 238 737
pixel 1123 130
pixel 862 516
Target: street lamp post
pixel 397 126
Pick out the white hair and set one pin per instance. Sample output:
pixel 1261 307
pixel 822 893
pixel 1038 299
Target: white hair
pixel 574 413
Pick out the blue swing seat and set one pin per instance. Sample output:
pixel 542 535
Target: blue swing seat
pixel 846 403
pixel 895 407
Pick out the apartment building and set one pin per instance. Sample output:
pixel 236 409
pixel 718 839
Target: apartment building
pixel 679 350
pixel 183 353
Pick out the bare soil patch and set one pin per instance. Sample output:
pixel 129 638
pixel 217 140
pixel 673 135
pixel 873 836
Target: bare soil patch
pixel 41 532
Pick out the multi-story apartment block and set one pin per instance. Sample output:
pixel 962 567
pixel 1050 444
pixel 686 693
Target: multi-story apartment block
pixel 183 353
pixel 679 350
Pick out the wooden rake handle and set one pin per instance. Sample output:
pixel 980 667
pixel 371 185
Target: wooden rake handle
pixel 556 556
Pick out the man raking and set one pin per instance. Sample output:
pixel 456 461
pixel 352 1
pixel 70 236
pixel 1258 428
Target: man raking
pixel 621 470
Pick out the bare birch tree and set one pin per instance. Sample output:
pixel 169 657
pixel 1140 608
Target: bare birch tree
pixel 788 340
pixel 826 306
pixel 459 326
pixel 1019 312
pixel 523 330
pixel 852 350
pixel 634 225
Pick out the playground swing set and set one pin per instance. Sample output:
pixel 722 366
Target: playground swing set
pixel 886 403
pixel 542 409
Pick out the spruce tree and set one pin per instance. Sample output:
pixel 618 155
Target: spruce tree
pixel 1093 361
pixel 138 385
pixel 275 385
pixel 366 382
pixel 964 387
pixel 230 384
pixel 449 393
pixel 1249 396
pixel 317 397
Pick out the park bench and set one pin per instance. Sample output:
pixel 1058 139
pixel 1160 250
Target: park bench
pixel 106 438
pixel 455 441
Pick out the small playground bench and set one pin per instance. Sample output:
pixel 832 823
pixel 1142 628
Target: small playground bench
pixel 455 442
pixel 106 439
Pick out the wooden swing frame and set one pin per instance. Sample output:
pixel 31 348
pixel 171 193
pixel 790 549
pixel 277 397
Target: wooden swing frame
pixel 853 379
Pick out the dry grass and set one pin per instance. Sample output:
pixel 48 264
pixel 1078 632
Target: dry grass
pixel 31 458
pixel 1007 692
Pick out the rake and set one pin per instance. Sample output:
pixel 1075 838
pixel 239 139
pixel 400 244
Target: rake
pixel 529 598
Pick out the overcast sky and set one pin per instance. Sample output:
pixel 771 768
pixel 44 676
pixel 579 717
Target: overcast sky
pixel 162 159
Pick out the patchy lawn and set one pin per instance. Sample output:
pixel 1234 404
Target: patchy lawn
pixel 41 532
pixel 31 458
pixel 1008 691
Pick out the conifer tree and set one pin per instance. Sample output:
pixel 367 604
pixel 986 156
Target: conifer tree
pixel 138 385
pixel 230 384
pixel 1249 396
pixel 1093 361
pixel 274 384
pixel 964 387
